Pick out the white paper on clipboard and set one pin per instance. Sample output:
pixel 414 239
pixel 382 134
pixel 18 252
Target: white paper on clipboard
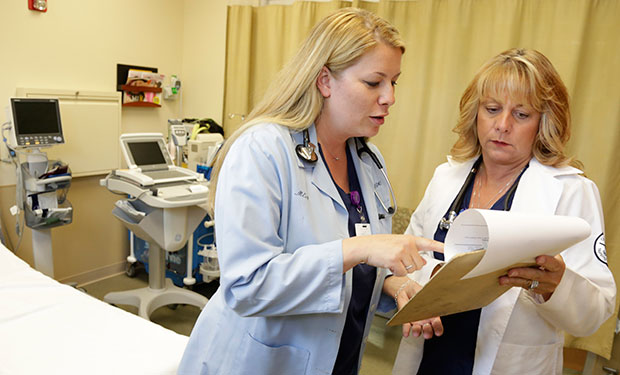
pixel 511 237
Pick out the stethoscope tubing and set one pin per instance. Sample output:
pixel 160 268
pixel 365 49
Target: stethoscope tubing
pixel 307 152
pixel 365 149
pixel 446 223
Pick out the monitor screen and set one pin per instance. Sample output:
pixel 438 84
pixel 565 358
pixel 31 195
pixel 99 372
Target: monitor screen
pixel 146 153
pixel 36 122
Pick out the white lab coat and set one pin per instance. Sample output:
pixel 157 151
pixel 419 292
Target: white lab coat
pixel 279 225
pixel 519 333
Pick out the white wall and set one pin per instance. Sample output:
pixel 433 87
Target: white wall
pixel 76 45
pixel 204 49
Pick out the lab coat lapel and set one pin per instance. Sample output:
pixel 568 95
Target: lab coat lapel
pixel 538 191
pixel 450 186
pixel 320 174
pixel 457 179
pixel 323 181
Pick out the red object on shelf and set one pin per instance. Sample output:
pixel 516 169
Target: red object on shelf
pixel 140 88
pixel 38 5
pixel 146 94
pixel 141 104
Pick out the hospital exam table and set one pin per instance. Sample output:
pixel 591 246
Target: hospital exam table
pixel 50 328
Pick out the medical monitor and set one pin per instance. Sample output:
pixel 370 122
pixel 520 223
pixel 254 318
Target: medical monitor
pixel 36 122
pixel 146 151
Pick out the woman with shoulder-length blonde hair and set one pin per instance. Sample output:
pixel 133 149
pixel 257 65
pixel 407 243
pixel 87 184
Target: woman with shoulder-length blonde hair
pixel 527 74
pixel 513 126
pixel 293 190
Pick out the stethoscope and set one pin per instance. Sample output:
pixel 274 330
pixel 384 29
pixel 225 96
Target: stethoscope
pixel 307 152
pixel 446 223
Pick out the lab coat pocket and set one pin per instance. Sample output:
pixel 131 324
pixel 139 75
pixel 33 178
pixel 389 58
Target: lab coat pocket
pixel 529 359
pixel 267 359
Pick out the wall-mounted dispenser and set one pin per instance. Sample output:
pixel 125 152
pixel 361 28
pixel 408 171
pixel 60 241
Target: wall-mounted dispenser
pixel 172 92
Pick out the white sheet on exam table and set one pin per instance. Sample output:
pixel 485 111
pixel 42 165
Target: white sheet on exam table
pixel 50 328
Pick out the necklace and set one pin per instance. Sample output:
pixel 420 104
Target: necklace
pixel 330 154
pixel 476 194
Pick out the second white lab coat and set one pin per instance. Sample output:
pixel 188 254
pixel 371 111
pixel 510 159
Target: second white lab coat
pixel 520 333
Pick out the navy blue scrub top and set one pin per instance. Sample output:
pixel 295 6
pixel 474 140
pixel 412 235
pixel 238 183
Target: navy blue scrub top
pixel 364 277
pixel 453 352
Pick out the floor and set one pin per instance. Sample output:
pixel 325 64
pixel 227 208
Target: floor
pixel 380 350
pixel 179 318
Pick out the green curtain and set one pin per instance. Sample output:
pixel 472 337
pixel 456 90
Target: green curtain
pixel 447 41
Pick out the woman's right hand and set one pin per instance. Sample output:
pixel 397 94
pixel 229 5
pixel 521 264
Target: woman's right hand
pixel 403 289
pixel 396 252
pixel 427 327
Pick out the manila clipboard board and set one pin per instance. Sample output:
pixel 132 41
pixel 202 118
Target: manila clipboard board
pixel 500 240
pixel 446 293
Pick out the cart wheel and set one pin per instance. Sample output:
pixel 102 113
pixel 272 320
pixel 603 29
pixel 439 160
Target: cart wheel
pixel 131 269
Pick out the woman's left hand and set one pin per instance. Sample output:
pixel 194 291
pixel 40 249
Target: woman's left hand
pixel 542 279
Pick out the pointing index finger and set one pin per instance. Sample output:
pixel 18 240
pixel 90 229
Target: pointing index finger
pixel 426 244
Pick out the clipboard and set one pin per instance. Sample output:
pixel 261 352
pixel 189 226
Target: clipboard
pixel 481 246
pixel 447 294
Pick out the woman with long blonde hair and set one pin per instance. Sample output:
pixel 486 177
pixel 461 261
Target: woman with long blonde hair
pixel 303 210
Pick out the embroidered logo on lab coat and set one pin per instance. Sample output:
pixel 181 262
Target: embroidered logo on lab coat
pixel 600 249
pixel 302 194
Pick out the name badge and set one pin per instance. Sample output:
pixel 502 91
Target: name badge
pixel 362 229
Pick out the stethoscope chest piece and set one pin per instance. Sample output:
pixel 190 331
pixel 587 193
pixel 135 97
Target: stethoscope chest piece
pixel 444 223
pixel 307 152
